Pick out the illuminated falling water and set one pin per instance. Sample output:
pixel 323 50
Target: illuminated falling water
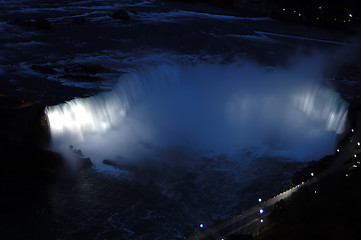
pixel 207 107
pixel 322 104
pixel 83 116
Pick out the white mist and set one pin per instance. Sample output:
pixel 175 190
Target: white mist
pixel 206 108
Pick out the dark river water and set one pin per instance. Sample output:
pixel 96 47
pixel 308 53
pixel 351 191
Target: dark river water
pixel 202 112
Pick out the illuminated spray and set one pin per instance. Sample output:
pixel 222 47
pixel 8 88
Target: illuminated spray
pixel 205 107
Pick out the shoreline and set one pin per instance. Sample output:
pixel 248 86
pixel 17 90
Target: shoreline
pixel 47 172
pixel 250 222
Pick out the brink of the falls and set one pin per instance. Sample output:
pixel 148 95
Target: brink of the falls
pixel 207 108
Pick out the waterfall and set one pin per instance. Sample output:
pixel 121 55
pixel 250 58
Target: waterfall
pixel 206 107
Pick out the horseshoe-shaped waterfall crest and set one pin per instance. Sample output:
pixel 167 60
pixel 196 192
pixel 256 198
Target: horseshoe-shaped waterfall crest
pixel 206 107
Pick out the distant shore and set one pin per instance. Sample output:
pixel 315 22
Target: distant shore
pixel 80 56
pixel 335 18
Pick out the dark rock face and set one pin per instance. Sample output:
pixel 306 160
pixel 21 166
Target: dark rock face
pixel 85 162
pixel 111 163
pixel 24 134
pixel 23 123
pixel 120 14
pixel 119 165
pixel 82 161
pixel 29 165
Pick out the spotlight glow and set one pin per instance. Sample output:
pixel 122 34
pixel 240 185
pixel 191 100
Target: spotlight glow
pixel 223 108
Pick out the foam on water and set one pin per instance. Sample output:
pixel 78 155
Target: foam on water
pixel 207 108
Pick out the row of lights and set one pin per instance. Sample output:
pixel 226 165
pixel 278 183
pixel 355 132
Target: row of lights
pixel 261 211
pixel 338 150
pixel 358 144
pixel 312 175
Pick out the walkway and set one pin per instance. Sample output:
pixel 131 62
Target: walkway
pixel 249 222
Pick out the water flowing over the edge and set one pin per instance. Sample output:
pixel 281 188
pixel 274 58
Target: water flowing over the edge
pixel 209 108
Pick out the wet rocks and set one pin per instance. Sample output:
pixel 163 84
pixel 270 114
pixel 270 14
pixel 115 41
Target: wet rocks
pixel 111 163
pixel 23 123
pixel 81 161
pixel 119 165
pixel 85 162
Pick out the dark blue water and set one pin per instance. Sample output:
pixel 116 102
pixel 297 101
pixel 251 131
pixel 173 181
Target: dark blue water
pixel 192 145
pixel 240 121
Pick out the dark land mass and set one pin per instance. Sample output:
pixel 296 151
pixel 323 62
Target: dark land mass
pixel 337 15
pixel 327 209
pixel 28 170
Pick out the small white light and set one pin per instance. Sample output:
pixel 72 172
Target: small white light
pixel 352 130
pixel 259 199
pixel 355 155
pixel 346 175
pixel 338 150
pixel 315 192
pixel 350 15
pixel 261 211
pixel 299 15
pixel 201 225
pixel 261 220
pixel 312 174
pixel 284 9
pixel 358 143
